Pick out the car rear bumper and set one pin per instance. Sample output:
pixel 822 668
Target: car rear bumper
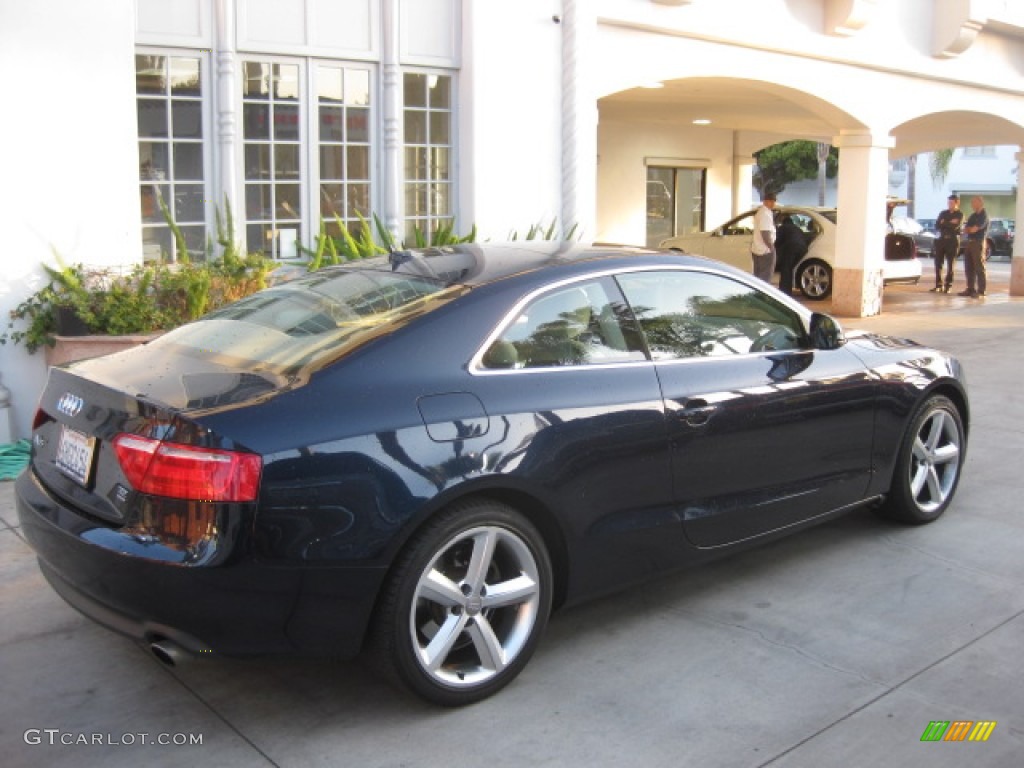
pixel 238 608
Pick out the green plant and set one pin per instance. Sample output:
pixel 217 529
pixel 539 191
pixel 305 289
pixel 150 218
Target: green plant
pixel 179 237
pixel 373 240
pixel 444 234
pixel 147 298
pixel 550 232
pixel 40 310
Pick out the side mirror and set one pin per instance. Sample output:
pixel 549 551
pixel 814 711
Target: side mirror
pixel 825 332
pixel 717 233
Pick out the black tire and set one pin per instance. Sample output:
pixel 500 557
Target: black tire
pixel 466 605
pixel 929 463
pixel 814 277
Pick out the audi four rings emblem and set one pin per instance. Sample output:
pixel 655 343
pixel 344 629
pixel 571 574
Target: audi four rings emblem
pixel 70 405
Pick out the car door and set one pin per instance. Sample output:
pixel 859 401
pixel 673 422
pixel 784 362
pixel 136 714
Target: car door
pixel 576 415
pixel 730 243
pixel 764 431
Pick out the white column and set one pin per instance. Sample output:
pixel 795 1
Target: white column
pixel 1017 262
pixel 742 178
pixel 579 119
pixel 391 104
pixel 227 183
pixel 860 236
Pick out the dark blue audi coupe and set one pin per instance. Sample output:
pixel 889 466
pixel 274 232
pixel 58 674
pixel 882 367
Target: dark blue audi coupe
pixel 419 456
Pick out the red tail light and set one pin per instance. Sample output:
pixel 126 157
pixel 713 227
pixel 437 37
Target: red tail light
pixel 187 472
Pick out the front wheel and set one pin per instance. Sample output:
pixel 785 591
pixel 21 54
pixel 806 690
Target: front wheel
pixel 929 463
pixel 467 604
pixel 815 279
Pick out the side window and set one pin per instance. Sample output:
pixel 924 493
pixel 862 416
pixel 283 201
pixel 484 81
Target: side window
pixel 806 224
pixel 744 225
pixel 695 314
pixel 581 324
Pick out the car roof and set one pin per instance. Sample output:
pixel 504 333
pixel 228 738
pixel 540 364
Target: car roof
pixel 474 264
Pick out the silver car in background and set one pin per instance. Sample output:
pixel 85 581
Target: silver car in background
pixel 813 275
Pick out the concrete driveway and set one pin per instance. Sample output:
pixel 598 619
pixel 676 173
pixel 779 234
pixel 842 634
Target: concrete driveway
pixel 836 647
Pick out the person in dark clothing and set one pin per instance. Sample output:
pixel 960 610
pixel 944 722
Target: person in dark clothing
pixel 790 247
pixel 947 245
pixel 976 230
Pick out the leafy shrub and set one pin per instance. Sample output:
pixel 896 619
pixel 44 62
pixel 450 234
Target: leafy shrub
pixel 148 298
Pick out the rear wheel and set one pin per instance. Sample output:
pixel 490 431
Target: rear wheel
pixel 929 463
pixel 467 604
pixel 815 279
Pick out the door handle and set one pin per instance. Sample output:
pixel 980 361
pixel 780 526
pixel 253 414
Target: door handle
pixel 696 413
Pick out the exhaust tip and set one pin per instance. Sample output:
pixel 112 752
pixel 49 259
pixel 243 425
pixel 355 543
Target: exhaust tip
pixel 168 653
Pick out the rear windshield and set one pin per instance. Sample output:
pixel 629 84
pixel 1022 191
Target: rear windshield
pixel 309 321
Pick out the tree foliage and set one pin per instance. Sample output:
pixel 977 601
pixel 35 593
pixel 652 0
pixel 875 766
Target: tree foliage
pixel 938 165
pixel 789 161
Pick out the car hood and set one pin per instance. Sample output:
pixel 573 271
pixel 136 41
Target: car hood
pixel 877 341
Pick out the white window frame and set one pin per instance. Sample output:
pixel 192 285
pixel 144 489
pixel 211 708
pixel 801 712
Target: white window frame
pixel 432 219
pixel 309 150
pixel 207 142
pixel 277 251
pixel 313 155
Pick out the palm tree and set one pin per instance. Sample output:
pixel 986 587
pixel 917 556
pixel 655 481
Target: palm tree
pixel 938 164
pixel 822 154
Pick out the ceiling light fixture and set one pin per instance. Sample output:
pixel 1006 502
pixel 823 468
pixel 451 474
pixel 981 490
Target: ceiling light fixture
pixel 702 121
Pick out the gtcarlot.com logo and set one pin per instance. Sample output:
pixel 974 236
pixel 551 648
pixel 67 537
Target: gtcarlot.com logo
pixel 958 730
pixel 55 736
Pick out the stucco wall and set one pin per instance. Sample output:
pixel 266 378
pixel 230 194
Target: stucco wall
pixel 622 173
pixel 510 132
pixel 68 154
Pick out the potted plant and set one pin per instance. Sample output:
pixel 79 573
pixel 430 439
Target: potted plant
pixel 83 312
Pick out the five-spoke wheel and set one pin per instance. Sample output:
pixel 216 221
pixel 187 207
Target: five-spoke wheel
pixel 929 463
pixel 814 277
pixel 467 603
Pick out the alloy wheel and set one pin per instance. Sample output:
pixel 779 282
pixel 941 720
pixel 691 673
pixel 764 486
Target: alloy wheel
pixel 475 606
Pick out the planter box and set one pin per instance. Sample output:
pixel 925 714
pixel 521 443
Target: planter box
pixel 71 348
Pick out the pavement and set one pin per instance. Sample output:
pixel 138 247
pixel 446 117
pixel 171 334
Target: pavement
pixel 835 647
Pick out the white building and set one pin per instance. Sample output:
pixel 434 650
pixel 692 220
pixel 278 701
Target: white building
pixel 502 113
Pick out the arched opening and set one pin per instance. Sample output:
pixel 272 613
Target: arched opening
pixel 680 156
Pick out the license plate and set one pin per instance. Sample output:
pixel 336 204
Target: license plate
pixel 74 454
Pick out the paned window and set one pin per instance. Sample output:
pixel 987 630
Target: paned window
pixel 428 146
pixel 169 103
pixel 343 122
pixel 272 139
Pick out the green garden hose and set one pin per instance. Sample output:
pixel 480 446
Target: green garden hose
pixel 13 459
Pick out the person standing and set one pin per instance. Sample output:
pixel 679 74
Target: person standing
pixel 762 247
pixel 790 247
pixel 976 230
pixel 948 224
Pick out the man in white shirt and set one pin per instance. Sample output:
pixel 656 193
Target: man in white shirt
pixel 762 247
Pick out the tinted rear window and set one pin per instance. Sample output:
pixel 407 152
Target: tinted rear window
pixel 309 320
